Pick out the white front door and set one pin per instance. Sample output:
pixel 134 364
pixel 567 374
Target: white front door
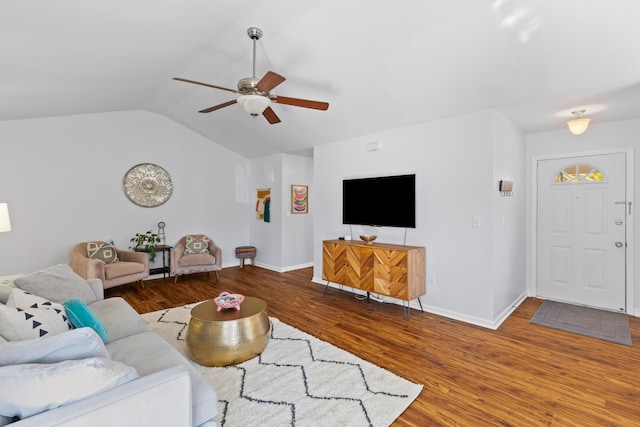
pixel 582 216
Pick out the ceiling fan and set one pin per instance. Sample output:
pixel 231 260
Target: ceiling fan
pixel 255 96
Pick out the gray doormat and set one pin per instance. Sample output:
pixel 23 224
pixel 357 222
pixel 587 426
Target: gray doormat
pixel 605 325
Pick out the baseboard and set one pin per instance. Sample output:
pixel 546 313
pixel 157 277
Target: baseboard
pixel 297 267
pixel 489 324
pixel 280 269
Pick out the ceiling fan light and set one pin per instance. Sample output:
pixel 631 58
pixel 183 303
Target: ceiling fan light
pixel 254 104
pixel 580 124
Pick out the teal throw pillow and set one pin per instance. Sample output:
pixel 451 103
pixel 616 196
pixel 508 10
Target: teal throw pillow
pixel 81 316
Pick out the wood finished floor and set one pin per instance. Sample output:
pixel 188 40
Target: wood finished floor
pixel 519 375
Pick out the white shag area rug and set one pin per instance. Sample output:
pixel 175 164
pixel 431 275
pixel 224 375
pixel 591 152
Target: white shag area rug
pixel 298 380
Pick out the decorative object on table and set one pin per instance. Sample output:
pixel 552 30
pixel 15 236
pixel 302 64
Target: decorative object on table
pixel 263 203
pixel 145 242
pixel 368 238
pixel 147 185
pixel 161 235
pixel 226 300
pixel 357 390
pixel 244 252
pixel 299 199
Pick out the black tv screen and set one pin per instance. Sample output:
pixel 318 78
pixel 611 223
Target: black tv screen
pixel 381 201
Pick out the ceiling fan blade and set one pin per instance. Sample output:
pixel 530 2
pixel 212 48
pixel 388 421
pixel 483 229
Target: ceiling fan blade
pixel 217 107
pixel 271 116
pixel 205 84
pixel 296 102
pixel 269 81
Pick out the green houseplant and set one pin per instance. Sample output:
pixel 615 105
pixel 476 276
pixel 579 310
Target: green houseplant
pixel 145 242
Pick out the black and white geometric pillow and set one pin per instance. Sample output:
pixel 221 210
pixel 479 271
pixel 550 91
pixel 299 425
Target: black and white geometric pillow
pixel 29 316
pixel 196 245
pixel 102 251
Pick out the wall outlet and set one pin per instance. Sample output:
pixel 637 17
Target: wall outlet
pixel 431 279
pixel 476 222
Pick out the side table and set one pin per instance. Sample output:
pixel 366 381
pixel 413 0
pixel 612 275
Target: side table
pixel 166 260
pixel 227 337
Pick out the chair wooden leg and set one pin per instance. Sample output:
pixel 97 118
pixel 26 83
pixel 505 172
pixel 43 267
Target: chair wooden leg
pixel 176 279
pixel 217 276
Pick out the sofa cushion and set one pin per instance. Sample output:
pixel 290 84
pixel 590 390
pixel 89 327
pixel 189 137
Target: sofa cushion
pixel 158 354
pixel 80 316
pixel 70 345
pixel 197 259
pixel 102 251
pixel 122 268
pixel 58 283
pixel 119 318
pixel 29 316
pixel 31 388
pixel 7 285
pixel 196 245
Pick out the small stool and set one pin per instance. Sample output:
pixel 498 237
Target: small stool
pixel 244 252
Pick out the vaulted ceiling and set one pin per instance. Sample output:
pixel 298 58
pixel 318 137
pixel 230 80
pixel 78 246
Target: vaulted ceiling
pixel 379 64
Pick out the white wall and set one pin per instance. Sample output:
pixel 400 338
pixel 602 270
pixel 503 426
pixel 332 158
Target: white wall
pixel 297 229
pixel 600 136
pixel 266 172
pixel 62 178
pixel 286 242
pixel 455 180
pixel 509 214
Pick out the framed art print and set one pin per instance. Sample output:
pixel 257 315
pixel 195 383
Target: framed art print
pixel 299 199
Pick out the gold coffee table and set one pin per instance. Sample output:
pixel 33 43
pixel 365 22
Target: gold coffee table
pixel 227 337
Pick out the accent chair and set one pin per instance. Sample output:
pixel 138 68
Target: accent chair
pixel 195 253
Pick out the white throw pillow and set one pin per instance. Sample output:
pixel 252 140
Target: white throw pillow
pixel 70 345
pixel 29 389
pixel 28 316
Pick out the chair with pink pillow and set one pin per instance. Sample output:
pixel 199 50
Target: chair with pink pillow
pixel 195 253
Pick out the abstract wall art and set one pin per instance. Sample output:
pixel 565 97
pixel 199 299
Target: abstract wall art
pixel 299 199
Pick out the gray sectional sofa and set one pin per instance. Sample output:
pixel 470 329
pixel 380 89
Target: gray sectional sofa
pixel 165 390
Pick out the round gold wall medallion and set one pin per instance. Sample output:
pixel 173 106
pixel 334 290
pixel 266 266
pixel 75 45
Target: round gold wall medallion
pixel 147 185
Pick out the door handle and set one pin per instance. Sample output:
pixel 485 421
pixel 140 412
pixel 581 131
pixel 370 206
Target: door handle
pixel 619 244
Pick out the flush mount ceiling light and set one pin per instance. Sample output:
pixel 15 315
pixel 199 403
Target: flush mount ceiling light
pixel 578 125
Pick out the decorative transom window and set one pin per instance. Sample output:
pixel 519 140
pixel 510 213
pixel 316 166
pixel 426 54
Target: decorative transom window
pixel 578 174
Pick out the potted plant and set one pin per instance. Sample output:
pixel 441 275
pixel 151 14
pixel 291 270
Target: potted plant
pixel 145 242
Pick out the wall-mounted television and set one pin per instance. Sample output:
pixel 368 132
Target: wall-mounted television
pixel 388 201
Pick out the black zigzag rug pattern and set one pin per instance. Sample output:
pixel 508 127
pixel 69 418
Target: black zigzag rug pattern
pixel 298 380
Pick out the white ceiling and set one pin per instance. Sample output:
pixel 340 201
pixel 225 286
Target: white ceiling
pixel 380 64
